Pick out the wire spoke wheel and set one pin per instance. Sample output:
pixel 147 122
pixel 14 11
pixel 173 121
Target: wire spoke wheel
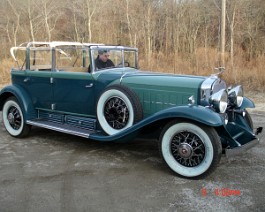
pixel 13 118
pixel 188 149
pixel 118 108
pixel 116 112
pixel 191 150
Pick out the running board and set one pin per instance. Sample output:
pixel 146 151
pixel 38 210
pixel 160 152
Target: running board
pixel 64 128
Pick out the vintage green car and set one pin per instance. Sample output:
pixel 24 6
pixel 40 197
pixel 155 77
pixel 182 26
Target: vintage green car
pixel 97 92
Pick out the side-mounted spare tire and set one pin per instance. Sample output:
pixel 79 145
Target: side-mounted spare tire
pixel 118 108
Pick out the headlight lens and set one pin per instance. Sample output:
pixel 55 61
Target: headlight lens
pixel 219 101
pixel 235 96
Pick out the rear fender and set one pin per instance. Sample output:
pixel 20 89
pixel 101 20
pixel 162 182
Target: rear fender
pixel 23 99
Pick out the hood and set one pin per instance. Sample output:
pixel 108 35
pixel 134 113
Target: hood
pixel 161 80
pixel 160 91
pixel 156 91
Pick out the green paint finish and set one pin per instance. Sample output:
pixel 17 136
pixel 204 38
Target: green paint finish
pixel 72 75
pixel 158 92
pixel 15 72
pixel 34 73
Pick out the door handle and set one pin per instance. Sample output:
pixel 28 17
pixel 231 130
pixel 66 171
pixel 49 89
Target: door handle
pixel 26 79
pixel 90 85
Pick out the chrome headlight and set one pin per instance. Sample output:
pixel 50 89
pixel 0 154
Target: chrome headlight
pixel 219 100
pixel 235 96
pixel 210 86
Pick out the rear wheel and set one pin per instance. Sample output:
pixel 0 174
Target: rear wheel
pixel 189 149
pixel 13 119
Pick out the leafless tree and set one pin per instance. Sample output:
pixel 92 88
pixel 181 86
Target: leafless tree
pixel 170 34
pixel 16 22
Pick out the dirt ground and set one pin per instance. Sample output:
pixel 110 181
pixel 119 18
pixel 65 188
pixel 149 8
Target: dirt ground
pixel 259 99
pixel 50 171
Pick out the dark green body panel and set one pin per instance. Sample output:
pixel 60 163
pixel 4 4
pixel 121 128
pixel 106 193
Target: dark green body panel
pixel 74 93
pixel 37 85
pixel 158 92
pixel 161 96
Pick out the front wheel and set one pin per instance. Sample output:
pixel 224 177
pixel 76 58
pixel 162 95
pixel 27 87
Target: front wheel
pixel 189 149
pixel 13 119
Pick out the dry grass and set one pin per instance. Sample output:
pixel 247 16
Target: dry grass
pixel 248 73
pixel 239 71
pixel 5 67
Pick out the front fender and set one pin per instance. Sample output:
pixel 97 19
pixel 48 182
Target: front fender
pixel 195 113
pixel 23 99
pixel 247 103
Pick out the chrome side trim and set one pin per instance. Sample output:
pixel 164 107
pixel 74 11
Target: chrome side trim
pixel 89 86
pixel 241 149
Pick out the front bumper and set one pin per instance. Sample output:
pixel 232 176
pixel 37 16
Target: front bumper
pixel 241 149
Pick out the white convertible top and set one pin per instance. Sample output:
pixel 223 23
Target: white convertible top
pixel 52 44
pixel 59 43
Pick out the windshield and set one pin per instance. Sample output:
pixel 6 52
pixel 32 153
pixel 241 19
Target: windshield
pixel 109 57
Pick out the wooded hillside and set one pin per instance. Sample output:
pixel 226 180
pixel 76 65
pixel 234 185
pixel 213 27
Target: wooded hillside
pixel 177 36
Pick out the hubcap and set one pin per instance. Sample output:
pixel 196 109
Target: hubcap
pixel 11 118
pixel 14 118
pixel 187 149
pixel 116 113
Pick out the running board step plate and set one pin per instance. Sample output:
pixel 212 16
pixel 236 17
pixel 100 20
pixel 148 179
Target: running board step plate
pixel 64 128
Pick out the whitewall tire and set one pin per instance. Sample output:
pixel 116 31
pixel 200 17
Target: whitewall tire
pixel 13 118
pixel 189 149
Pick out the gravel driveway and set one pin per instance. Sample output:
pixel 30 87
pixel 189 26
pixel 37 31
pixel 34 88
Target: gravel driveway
pixel 50 171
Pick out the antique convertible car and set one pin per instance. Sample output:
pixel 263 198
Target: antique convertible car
pixel 58 86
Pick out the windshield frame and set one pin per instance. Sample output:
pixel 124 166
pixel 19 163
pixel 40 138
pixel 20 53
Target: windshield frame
pixel 121 49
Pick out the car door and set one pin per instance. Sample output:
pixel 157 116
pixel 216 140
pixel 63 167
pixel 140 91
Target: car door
pixel 38 85
pixel 37 77
pixel 73 92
